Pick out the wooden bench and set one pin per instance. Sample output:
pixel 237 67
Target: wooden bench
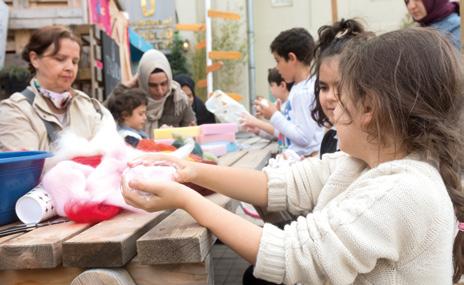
pixel 166 247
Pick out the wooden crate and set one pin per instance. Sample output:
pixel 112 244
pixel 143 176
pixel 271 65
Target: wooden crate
pixel 33 14
pixel 90 76
pixel 27 15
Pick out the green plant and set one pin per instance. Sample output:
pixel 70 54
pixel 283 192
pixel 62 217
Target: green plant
pixel 227 36
pixel 13 79
pixel 177 58
pixel 17 72
pixel 198 63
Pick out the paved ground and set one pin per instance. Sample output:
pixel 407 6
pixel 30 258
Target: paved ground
pixel 228 266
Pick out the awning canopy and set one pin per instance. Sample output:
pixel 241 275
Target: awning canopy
pixel 138 45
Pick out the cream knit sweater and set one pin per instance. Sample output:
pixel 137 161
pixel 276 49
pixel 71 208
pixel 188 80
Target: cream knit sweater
pixel 393 224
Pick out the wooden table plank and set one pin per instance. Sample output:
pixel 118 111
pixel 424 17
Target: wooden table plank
pixel 54 276
pixel 110 243
pixel 172 274
pixel 231 157
pixel 179 238
pixel 41 248
pixel 256 159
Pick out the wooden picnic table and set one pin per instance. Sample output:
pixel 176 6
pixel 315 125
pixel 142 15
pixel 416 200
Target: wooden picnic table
pixel 166 247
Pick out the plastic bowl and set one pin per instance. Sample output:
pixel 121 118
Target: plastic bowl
pixel 19 172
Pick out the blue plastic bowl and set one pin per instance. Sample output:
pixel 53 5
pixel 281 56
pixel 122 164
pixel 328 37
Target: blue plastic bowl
pixel 19 172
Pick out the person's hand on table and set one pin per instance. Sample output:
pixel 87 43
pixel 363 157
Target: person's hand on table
pixel 164 126
pixel 249 123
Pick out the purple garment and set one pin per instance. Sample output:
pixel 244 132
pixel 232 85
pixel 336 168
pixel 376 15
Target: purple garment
pixel 437 10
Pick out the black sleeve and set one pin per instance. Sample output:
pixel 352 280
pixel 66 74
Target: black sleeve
pixel 203 115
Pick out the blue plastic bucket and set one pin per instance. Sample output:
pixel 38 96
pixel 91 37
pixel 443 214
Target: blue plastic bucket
pixel 19 172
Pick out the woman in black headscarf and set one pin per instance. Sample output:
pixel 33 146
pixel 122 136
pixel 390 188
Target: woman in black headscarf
pixel 188 86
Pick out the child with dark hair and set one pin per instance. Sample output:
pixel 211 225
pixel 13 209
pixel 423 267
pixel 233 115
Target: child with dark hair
pixel 332 41
pixel 280 91
pixel 293 51
pixel 129 109
pixel 386 209
pixel 39 114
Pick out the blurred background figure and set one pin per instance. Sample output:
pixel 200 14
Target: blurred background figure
pixel 201 113
pixel 442 15
pixel 280 91
pixel 167 103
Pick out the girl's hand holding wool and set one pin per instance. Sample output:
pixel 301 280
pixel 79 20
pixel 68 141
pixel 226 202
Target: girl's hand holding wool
pixel 165 195
pixel 186 171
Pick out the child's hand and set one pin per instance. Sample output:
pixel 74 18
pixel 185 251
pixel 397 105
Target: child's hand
pixel 165 195
pixel 185 170
pixel 164 126
pixel 265 108
pixel 247 120
pixel 278 104
pixel 249 123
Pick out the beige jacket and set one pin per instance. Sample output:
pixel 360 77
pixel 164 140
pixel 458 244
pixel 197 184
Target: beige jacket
pixel 21 126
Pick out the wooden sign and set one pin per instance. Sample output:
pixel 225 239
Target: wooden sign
pixel 334 11
pixel 218 55
pixel 202 83
pixel 214 67
pixel 237 97
pixel 200 45
pixel 223 15
pixel 191 27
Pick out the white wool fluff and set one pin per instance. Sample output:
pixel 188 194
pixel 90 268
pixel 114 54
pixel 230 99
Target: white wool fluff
pixel 67 180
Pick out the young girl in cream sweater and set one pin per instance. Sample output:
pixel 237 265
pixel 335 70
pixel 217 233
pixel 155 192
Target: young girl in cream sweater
pixel 383 210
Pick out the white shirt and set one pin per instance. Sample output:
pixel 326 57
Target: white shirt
pixel 303 132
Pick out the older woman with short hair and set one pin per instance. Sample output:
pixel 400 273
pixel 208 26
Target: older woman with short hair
pixel 33 118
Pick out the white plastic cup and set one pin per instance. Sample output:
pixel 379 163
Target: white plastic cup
pixel 35 206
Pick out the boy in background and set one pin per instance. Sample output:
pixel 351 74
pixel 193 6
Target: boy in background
pixel 293 51
pixel 280 91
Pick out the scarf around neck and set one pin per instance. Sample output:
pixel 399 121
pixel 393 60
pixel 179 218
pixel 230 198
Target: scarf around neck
pixel 59 100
